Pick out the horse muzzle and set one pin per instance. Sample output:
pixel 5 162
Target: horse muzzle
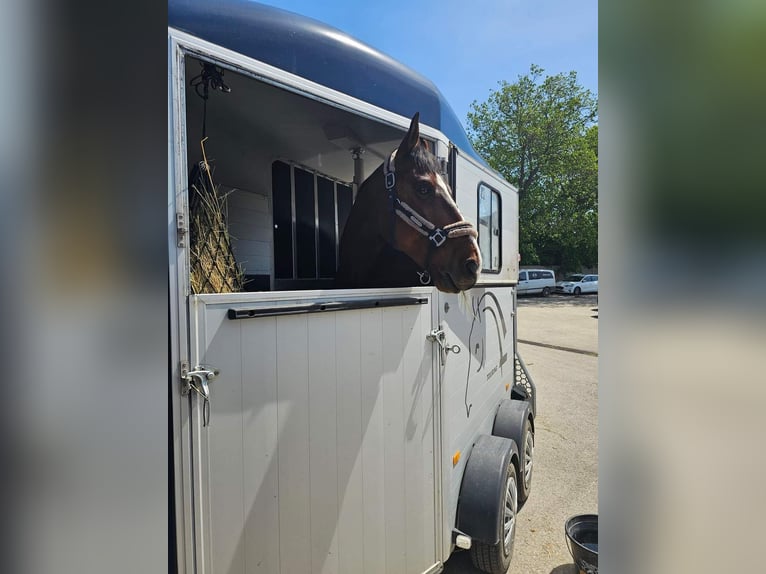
pixel 457 267
pixel 461 275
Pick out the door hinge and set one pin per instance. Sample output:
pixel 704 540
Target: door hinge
pixel 185 381
pixel 182 229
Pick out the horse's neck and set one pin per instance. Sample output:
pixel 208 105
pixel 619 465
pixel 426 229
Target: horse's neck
pixel 362 242
pixel 377 265
pixel 394 269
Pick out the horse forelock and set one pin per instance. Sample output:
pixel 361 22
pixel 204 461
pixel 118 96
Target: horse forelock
pixel 424 165
pixel 424 161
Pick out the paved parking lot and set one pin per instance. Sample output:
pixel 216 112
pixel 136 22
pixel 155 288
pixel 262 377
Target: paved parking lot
pixel 559 343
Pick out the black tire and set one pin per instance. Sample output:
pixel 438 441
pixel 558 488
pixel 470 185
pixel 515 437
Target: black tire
pixel 527 455
pixel 496 558
pixel 546 291
pixel 577 291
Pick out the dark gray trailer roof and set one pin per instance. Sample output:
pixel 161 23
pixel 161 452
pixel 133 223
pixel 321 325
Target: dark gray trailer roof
pixel 319 53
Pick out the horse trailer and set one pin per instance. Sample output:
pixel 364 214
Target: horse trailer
pixel 317 425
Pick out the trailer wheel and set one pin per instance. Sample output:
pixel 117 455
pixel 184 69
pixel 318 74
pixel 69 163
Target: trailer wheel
pixel 527 461
pixel 514 421
pixel 496 558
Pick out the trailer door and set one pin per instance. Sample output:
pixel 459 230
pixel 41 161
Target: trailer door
pixel 318 455
pixel 476 367
pixel 478 324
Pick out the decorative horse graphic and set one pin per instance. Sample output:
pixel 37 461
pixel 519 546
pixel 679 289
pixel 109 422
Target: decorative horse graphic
pixel 483 307
pixel 405 230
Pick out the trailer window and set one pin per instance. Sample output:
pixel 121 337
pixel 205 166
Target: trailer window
pixel 489 228
pixel 310 211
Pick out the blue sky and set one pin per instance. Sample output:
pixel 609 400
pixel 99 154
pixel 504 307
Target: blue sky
pixel 466 47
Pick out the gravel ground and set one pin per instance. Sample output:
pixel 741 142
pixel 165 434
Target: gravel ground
pixel 559 344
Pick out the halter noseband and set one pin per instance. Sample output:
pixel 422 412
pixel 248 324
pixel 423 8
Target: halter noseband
pixel 437 236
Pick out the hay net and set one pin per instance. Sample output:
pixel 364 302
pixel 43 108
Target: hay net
pixel 213 266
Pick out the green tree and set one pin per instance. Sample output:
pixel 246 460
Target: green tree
pixel 541 134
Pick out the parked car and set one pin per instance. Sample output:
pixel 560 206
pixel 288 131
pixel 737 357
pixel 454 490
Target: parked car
pixel 578 283
pixel 541 281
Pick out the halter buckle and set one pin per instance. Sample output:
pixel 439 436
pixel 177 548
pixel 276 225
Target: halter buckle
pixel 425 277
pixel 438 237
pixel 390 180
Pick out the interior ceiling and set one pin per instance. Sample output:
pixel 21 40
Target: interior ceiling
pixel 291 126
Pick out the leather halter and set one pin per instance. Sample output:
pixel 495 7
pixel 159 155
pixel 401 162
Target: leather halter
pixel 437 236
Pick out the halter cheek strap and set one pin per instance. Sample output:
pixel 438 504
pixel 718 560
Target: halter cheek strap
pixel 437 236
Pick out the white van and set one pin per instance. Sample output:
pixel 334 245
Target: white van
pixel 536 281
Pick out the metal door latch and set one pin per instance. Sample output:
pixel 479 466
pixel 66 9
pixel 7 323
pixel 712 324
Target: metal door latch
pixel 197 381
pixel 438 336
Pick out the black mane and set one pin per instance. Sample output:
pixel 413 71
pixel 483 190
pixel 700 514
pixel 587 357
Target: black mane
pixel 425 161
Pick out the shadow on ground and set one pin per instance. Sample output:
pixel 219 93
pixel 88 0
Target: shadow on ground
pixel 460 563
pixel 589 300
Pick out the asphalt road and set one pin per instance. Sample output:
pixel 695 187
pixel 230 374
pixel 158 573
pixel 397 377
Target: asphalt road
pixel 559 343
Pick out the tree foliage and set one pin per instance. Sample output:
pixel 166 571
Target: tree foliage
pixel 541 134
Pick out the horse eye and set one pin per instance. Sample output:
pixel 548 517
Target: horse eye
pixel 425 190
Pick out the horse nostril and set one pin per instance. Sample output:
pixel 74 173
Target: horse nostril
pixel 471 266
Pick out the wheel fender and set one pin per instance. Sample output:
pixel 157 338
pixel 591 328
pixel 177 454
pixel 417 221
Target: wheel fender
pixel 509 420
pixel 483 485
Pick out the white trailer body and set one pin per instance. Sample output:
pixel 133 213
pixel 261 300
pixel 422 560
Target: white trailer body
pixel 319 429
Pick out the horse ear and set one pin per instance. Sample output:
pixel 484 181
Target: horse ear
pixel 412 138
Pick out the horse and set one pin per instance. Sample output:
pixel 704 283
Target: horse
pixel 404 228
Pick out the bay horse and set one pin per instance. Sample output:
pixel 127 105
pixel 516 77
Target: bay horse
pixel 404 228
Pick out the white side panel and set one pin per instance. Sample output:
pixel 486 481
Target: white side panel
pixel 348 329
pixel 373 446
pixel 323 442
pixel 394 341
pixel 260 429
pixel 294 490
pixel 418 427
pixel 476 380
pixel 220 449
pixel 319 456
pixel 469 176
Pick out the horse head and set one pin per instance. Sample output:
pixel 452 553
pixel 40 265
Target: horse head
pixel 407 205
